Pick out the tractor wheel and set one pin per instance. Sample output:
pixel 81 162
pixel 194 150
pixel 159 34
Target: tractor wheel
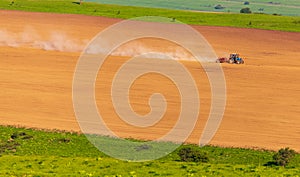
pixel 238 62
pixel 231 61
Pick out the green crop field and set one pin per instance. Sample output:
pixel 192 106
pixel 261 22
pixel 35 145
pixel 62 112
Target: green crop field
pixel 284 7
pixel 260 21
pixel 28 152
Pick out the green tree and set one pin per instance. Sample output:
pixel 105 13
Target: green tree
pixel 245 10
pixel 219 6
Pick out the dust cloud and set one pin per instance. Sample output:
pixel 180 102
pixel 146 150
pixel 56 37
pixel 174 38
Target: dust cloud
pixel 61 41
pixel 53 41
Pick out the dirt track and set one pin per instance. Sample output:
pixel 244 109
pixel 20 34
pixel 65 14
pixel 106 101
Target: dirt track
pixel 263 95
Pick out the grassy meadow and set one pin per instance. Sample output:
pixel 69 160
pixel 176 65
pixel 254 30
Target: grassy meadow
pixel 29 152
pixel 260 21
pixel 283 7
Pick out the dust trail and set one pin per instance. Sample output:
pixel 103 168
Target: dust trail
pixel 29 37
pixel 60 41
pixel 137 48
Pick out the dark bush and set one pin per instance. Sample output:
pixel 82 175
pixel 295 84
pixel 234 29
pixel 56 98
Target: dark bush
pixel 246 3
pixel 143 147
pixel 245 10
pixel 17 135
pixel 219 6
pixel 188 154
pixel 64 140
pixel 8 146
pixel 283 156
pixel 296 21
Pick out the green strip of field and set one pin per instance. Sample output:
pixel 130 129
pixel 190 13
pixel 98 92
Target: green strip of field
pixel 27 152
pixel 284 7
pixel 260 21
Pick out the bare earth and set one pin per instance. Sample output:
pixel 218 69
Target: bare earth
pixel 262 96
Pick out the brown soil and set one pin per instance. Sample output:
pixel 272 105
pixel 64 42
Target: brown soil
pixel 262 96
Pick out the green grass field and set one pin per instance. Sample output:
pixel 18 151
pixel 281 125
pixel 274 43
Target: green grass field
pixel 260 21
pixel 42 153
pixel 291 7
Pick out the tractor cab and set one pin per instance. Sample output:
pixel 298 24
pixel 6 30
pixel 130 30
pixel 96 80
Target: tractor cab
pixel 235 58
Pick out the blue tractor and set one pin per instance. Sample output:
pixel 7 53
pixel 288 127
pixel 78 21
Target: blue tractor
pixel 235 59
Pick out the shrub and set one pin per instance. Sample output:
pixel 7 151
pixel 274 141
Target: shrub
pixel 143 147
pixel 245 10
pixel 246 3
pixel 188 154
pixel 276 14
pixel 219 6
pixel 283 156
pixel 296 21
